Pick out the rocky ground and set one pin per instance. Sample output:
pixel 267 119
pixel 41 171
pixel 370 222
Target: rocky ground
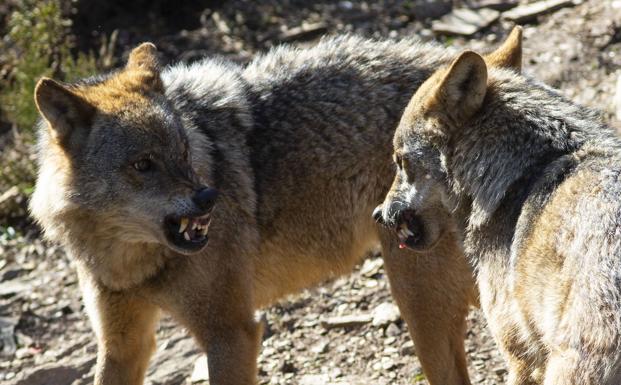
pixel 45 337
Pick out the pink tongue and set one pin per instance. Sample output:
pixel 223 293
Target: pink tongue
pixel 402 245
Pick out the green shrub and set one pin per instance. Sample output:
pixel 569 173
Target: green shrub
pixel 38 43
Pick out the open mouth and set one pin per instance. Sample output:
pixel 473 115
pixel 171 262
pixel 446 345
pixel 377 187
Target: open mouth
pixel 410 230
pixel 188 232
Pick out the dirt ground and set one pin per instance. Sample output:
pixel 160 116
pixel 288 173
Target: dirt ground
pixel 45 337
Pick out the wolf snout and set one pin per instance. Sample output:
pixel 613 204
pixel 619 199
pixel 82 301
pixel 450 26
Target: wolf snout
pixel 378 216
pixel 205 198
pixel 391 216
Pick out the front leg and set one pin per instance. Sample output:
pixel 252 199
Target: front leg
pixel 233 351
pixel 125 326
pixel 215 304
pixel 433 291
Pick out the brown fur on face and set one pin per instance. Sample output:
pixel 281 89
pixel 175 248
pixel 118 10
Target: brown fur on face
pixel 96 132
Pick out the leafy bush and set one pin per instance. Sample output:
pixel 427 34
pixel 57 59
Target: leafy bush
pixel 38 43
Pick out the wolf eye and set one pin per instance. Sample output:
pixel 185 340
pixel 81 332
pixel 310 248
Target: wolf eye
pixel 143 165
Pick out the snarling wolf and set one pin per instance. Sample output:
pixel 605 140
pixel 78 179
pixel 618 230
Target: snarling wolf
pixel 533 184
pixel 211 190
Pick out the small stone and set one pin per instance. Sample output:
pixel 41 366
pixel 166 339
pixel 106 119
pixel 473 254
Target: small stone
pixel 346 5
pixel 465 21
pixel 388 363
pixel 528 12
pixel 303 32
pixel 393 330
pixel 385 314
pixel 500 370
pixel 407 349
pixel 320 347
pixel 346 321
pixel 200 373
pixel 22 353
pixel 498 5
pixel 314 379
pixel 10 288
pixel 370 267
pixel 7 335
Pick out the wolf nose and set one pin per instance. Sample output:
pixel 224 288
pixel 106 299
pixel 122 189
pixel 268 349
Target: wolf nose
pixel 205 198
pixel 377 215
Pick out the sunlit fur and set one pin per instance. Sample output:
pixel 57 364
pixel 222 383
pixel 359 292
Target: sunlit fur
pixel 534 184
pixel 298 144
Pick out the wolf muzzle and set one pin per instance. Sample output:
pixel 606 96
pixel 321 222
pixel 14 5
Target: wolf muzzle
pixel 205 198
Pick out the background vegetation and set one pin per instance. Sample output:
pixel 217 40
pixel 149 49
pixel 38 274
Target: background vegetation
pixel 38 42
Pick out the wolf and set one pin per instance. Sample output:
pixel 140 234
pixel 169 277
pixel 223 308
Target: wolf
pixel 533 185
pixel 213 189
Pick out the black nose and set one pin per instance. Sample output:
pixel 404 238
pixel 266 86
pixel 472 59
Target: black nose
pixel 205 198
pixel 377 215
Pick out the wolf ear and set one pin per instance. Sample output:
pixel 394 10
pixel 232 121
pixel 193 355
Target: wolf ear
pixel 64 110
pixel 144 67
pixel 509 54
pixel 462 90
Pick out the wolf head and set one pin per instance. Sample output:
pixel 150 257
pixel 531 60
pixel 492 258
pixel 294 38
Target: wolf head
pixel 115 162
pixel 417 204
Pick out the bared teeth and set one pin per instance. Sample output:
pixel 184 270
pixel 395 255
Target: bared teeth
pixel 194 227
pixel 409 232
pixel 183 224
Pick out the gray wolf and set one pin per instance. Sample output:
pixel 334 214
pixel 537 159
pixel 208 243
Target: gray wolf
pixel 533 185
pixel 211 190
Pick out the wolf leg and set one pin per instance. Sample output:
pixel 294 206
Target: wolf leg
pixel 220 316
pixel 433 292
pixel 232 354
pixel 569 367
pixel 125 326
pixel 521 373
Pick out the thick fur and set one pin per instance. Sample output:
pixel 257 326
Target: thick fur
pixel 533 181
pixel 298 144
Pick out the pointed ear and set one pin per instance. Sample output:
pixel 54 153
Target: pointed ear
pixel 64 110
pixel 144 67
pixel 509 54
pixel 462 89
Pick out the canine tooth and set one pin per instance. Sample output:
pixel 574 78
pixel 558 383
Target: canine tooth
pixel 194 225
pixel 183 224
pixel 409 232
pixel 186 236
pixel 204 231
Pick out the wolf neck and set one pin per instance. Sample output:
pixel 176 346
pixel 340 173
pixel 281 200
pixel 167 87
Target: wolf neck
pixel 118 265
pixel 508 147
